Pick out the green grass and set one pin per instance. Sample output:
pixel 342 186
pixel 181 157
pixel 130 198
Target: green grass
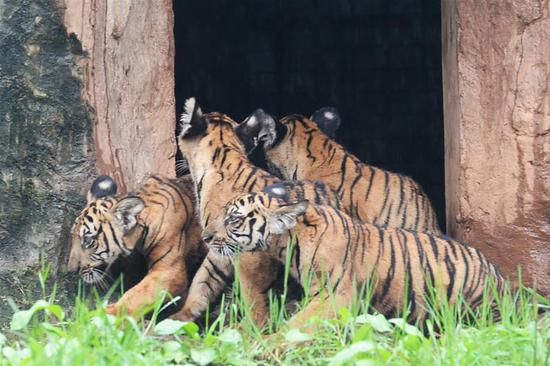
pixel 46 334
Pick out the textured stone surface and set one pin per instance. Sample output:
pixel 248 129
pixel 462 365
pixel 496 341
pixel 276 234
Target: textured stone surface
pixel 128 82
pixel 45 150
pixel 82 83
pixel 497 120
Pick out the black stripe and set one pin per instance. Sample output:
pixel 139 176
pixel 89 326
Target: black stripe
pixel 386 195
pixel 391 270
pixel 351 190
pixel 308 148
pixel 451 271
pixel 369 187
pixel 410 276
pixel 161 257
pixel 401 201
pixel 342 174
pixel 226 279
pixel 416 219
pixel 249 177
pixel 121 246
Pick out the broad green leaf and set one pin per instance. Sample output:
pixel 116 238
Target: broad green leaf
pixel 22 318
pixel 362 333
pixel 174 350
pixel 406 327
pixel 230 336
pixel 347 354
pixel 295 336
pixel 210 340
pixel 2 339
pixel 171 346
pixel 378 322
pixel 192 329
pixel 50 328
pixel 168 327
pixel 384 353
pixel 203 357
pixel 55 310
pixel 345 314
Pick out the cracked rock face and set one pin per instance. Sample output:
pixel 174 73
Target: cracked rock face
pixel 44 135
pixel 497 108
pixel 86 88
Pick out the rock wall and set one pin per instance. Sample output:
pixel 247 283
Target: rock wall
pixel 496 63
pixel 128 81
pixel 45 134
pixel 86 88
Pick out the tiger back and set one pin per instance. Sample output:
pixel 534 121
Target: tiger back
pixel 221 170
pixel 157 221
pixel 296 148
pixel 403 268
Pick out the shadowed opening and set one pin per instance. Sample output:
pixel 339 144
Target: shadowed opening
pixel 378 62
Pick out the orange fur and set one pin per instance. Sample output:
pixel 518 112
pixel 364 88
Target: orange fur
pixel 299 149
pixel 167 233
pixel 221 170
pixel 345 254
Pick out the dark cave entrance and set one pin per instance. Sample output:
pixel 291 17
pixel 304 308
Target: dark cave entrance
pixel 377 61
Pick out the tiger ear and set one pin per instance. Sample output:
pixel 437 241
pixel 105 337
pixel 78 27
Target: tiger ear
pixel 284 218
pixel 258 128
pixel 102 186
pixel 327 119
pixel 192 121
pixel 125 212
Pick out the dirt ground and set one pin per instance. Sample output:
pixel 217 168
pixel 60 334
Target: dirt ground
pixel 22 288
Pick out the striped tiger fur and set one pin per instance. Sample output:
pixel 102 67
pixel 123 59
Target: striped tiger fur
pixel 297 148
pixel 157 221
pixel 221 170
pixel 400 265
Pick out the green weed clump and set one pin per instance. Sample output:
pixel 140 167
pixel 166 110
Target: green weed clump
pixel 46 334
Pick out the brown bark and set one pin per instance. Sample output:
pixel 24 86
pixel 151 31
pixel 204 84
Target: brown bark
pixel 496 63
pixel 128 81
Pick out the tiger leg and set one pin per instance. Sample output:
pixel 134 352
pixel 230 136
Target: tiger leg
pixel 258 273
pixel 213 276
pixel 325 307
pixel 170 276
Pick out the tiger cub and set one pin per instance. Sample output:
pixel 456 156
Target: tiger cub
pixel 221 170
pixel 399 264
pixel 298 148
pixel 157 221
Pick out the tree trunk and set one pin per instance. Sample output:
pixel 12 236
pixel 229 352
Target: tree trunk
pixel 128 81
pixel 496 58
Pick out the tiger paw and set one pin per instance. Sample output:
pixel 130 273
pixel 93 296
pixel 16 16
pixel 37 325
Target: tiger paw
pixel 183 315
pixel 111 309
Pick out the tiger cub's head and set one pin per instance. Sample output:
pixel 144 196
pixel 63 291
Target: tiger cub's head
pixel 291 142
pixel 250 219
pixel 105 230
pixel 205 137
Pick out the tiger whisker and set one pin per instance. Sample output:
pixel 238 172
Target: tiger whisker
pixel 99 280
